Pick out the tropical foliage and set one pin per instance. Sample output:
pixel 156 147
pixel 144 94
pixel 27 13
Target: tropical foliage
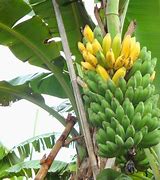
pixel 31 33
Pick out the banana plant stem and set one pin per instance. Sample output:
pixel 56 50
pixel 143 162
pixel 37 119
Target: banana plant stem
pixel 80 107
pixel 112 15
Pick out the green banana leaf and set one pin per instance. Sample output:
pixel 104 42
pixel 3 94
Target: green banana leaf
pixel 74 17
pixel 58 169
pixel 147 15
pixel 26 39
pixel 12 92
pixel 32 85
pixel 24 150
pixel 3 151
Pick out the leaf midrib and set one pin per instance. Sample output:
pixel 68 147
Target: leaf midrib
pixel 44 58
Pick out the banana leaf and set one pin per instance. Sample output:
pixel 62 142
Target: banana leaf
pixel 74 18
pixel 147 15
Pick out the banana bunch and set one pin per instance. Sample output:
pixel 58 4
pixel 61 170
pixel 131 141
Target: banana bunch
pixel 120 96
pixel 109 58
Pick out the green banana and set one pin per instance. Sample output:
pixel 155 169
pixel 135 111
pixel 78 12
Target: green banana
pixel 91 75
pixel 130 132
pixel 111 86
pixel 101 135
pixel 102 149
pixel 138 77
pixel 129 143
pixel 146 80
pixel 156 112
pixel 147 93
pixel 84 40
pixel 93 118
pixel 86 99
pixel 138 137
pixel 120 131
pixel 101 59
pixel 98 34
pixel 153 65
pixel 119 95
pixel 114 122
pixel 100 139
pixel 110 133
pixel 128 108
pixel 109 114
pixel 112 147
pixel 140 108
pixel 119 113
pixel 114 104
pixel 136 67
pixel 147 108
pixel 102 86
pixel 145 55
pixel 138 95
pixel 101 154
pixel 153 123
pixel 119 141
pixel 98 78
pixel 105 124
pixel 143 52
pixel 145 119
pixel 150 139
pixel 137 121
pixel 132 82
pixel 144 130
pixel 92 85
pixel 125 122
pixel 92 96
pixel 107 149
pixel 108 96
pixel 96 107
pixel 122 84
pixel 129 93
pixel 101 116
pixel 146 67
pixel 154 99
pixel 105 104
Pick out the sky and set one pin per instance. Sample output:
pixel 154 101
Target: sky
pixel 17 121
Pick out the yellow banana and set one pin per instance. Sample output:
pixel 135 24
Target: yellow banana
pixel 88 57
pixel 92 59
pixel 89 47
pixel 133 42
pixel 120 73
pixel 119 62
pixel 116 45
pixel 87 65
pixel 85 55
pixel 96 46
pixel 128 63
pixel 81 47
pixel 152 77
pixel 106 43
pixel 126 46
pixel 110 58
pixel 88 33
pixel 102 72
pixel 135 51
